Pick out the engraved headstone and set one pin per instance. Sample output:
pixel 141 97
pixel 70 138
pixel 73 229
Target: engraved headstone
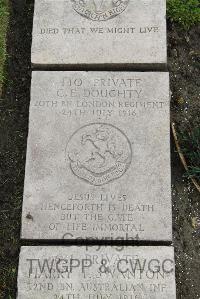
pixel 98 157
pixel 96 273
pixel 99 33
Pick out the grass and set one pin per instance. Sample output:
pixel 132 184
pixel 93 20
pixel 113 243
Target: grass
pixel 184 12
pixel 4 17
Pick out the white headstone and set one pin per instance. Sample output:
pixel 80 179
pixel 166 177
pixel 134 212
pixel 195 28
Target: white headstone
pixel 98 157
pixel 96 273
pixel 99 33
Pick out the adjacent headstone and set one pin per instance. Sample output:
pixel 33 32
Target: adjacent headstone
pixel 99 33
pixel 98 157
pixel 96 273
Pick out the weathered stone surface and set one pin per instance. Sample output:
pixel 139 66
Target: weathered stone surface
pixel 99 33
pixel 98 157
pixel 96 273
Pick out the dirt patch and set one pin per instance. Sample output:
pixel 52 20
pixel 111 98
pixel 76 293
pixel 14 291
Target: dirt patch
pixel 13 135
pixel 184 67
pixel 186 239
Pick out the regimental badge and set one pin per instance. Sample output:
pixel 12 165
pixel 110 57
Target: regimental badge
pixel 99 153
pixel 99 10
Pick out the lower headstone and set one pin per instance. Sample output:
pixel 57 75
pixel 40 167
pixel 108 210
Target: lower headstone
pixel 98 157
pixel 96 273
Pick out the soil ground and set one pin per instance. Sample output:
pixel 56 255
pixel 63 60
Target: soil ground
pixel 184 67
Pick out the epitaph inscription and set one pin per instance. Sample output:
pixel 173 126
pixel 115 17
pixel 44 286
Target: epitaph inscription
pixel 98 164
pixel 108 33
pixel 96 273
